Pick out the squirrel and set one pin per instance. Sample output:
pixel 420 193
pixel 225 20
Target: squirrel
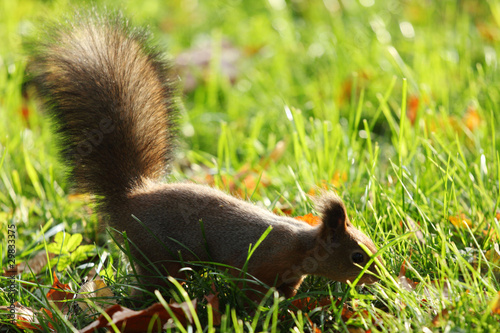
pixel 113 104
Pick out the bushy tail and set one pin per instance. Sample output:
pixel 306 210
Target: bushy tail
pixel 112 102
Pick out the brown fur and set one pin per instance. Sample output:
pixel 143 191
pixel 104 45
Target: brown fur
pixel 112 102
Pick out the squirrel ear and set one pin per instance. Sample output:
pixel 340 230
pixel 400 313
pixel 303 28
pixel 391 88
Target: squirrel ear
pixel 333 212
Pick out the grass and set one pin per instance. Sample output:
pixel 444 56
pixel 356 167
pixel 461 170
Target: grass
pixel 392 104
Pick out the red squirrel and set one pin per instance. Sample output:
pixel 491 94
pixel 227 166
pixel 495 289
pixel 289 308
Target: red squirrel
pixel 112 99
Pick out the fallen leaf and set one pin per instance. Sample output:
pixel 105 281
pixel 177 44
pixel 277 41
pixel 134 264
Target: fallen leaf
pixel 309 219
pixel 34 265
pixel 27 318
pixel 414 227
pixel 59 293
pixel 283 209
pixel 98 292
pixel 245 181
pixel 412 110
pixel 322 186
pixel 495 305
pixel 405 282
pixel 431 291
pixel 139 321
pixel 315 328
pixel 338 178
pixel 306 304
pixel 488 31
pixel 25 112
pixel 493 256
pixel 440 318
pixel 213 300
pixel 346 89
pixel 460 221
pixel 471 119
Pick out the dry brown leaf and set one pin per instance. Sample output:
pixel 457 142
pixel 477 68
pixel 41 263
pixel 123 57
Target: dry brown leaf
pixel 440 318
pixel 404 282
pixel 27 318
pixel 95 289
pixel 283 209
pixel 415 227
pixel 213 300
pixel 59 293
pixel 315 328
pixel 33 265
pixel 427 292
pixel 306 304
pixel 139 321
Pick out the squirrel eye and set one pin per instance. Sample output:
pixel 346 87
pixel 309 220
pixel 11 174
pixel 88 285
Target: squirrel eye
pixel 357 257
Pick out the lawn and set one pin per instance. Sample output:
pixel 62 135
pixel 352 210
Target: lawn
pixel 392 104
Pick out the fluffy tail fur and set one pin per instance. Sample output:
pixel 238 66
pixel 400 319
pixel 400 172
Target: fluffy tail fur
pixel 112 101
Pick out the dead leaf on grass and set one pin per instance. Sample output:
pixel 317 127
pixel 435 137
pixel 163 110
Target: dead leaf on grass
pixel 27 318
pixel 434 290
pixel 247 178
pixel 97 292
pixel 337 180
pixel 308 304
pixel 59 294
pixel 213 300
pixel 495 305
pixel 472 119
pixel 34 265
pixel 415 227
pixel 460 221
pixel 412 111
pixel 441 318
pixel 315 328
pixel 309 219
pixel 128 320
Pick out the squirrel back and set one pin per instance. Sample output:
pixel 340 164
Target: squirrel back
pixel 112 101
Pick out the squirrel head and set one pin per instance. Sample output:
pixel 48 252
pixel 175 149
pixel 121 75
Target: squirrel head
pixel 337 249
